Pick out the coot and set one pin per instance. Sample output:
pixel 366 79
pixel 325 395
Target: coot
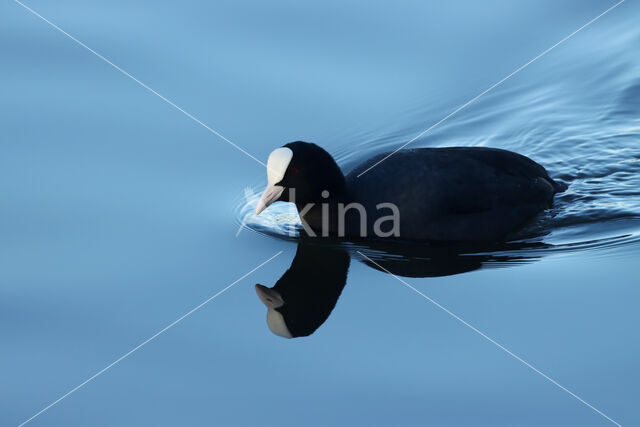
pixel 423 194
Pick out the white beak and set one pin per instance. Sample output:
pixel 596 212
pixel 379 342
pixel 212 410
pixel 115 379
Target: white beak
pixel 270 195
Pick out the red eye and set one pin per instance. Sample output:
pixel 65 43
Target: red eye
pixel 294 170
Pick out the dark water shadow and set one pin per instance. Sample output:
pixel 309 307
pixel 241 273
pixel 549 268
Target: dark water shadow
pixel 445 259
pixel 304 297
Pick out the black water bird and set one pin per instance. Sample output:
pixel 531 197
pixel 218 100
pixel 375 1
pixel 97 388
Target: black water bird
pixel 423 194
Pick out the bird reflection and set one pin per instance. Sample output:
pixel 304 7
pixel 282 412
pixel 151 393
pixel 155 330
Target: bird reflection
pixel 306 293
pixel 302 300
pixel 440 259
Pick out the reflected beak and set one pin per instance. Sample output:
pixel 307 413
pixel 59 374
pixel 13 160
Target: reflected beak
pixel 272 299
pixel 270 195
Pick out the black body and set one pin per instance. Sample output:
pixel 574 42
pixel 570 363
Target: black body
pixel 443 194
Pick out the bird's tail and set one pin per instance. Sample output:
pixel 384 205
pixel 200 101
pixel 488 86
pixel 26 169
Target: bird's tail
pixel 559 186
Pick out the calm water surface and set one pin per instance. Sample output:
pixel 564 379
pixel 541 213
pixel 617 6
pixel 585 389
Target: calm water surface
pixel 118 214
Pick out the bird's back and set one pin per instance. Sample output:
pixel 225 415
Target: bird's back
pixel 458 193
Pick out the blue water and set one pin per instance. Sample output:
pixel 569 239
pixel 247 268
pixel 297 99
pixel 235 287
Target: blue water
pixel 118 214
